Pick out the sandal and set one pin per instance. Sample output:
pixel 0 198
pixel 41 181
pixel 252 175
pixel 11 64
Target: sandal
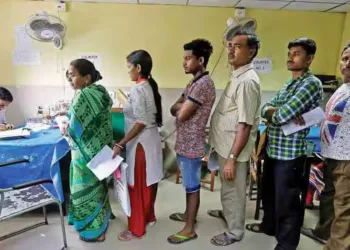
pixel 97 240
pixel 254 227
pixel 223 239
pixel 308 232
pixel 177 239
pixel 216 214
pixel 178 217
pixel 151 223
pixel 127 236
pixel 112 216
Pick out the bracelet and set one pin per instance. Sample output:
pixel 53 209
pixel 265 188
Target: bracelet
pixel 119 146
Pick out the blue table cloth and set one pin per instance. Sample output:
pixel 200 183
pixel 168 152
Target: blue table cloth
pixel 43 150
pixel 313 136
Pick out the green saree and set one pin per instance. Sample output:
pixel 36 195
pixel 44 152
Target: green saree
pixel 90 128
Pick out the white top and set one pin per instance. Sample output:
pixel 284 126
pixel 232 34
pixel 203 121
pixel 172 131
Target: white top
pixel 2 117
pixel 335 130
pixel 141 108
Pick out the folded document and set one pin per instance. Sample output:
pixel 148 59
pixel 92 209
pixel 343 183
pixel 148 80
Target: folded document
pixel 15 133
pixel 311 118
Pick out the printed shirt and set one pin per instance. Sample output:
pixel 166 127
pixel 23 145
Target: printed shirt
pixel 190 137
pixel 295 98
pixel 335 130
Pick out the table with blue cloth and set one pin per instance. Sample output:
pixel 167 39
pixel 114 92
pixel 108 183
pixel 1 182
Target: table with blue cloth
pixel 313 136
pixel 44 150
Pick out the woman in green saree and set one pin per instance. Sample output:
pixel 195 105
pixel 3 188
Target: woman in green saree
pixel 90 129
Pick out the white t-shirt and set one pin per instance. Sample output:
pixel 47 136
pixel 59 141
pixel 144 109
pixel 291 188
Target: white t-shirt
pixel 335 130
pixel 2 117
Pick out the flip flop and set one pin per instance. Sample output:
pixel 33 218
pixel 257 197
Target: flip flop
pixel 151 223
pixel 97 240
pixel 254 227
pixel 177 239
pixel 216 214
pixel 112 216
pixel 308 232
pixel 222 240
pixel 127 236
pixel 178 217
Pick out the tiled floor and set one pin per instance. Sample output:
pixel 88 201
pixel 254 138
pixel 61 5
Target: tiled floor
pixel 171 198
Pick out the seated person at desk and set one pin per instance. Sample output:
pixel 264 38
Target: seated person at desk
pixel 6 99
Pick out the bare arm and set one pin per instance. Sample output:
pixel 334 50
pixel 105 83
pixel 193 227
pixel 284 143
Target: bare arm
pixel 186 111
pixel 177 106
pixel 3 127
pixel 241 139
pixel 135 130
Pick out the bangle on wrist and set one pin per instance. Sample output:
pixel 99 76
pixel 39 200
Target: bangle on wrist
pixel 119 146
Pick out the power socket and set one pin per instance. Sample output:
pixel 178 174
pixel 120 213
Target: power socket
pixel 61 6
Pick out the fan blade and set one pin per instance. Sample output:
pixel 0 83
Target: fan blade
pixel 249 25
pixel 38 24
pixel 230 32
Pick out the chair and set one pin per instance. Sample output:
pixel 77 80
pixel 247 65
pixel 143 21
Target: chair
pixel 24 198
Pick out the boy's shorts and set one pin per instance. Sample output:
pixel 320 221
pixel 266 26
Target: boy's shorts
pixel 190 172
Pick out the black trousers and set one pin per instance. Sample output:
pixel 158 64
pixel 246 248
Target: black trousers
pixel 283 210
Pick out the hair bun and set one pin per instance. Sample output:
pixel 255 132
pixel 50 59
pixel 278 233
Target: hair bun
pixel 98 76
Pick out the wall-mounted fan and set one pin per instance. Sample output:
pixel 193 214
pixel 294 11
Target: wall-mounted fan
pixel 236 24
pixel 46 28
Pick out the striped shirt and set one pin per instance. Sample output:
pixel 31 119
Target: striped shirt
pixel 295 98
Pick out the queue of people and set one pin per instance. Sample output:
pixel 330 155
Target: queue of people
pixel 233 132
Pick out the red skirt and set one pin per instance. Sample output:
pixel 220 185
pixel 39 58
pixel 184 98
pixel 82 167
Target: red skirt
pixel 142 198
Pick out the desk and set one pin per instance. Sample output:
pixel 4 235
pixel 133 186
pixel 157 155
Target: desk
pixel 44 150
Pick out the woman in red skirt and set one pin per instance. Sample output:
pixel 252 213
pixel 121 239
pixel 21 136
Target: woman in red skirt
pixel 143 116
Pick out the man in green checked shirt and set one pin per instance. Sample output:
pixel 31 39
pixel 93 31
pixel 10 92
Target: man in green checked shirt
pixel 286 155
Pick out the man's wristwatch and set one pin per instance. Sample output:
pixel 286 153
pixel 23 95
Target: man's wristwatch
pixel 232 157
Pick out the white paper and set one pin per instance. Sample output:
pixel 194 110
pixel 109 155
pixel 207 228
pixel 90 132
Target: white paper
pixel 95 58
pixel 102 165
pixel 23 41
pixel 311 118
pixel 121 190
pixel 36 127
pixel 26 57
pixel 15 133
pixel 262 65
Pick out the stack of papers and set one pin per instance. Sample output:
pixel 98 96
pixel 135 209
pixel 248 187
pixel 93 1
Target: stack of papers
pixel 102 165
pixel 14 134
pixel 36 127
pixel 311 118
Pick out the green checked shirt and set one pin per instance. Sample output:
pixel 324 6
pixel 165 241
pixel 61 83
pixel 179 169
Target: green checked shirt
pixel 295 98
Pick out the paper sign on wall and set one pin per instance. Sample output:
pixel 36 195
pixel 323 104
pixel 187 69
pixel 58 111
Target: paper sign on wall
pixel 95 58
pixel 26 58
pixel 24 54
pixel 23 41
pixel 263 65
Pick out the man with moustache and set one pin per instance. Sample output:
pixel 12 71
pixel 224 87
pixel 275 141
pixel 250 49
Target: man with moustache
pixel 285 162
pixel 233 131
pixel 335 147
